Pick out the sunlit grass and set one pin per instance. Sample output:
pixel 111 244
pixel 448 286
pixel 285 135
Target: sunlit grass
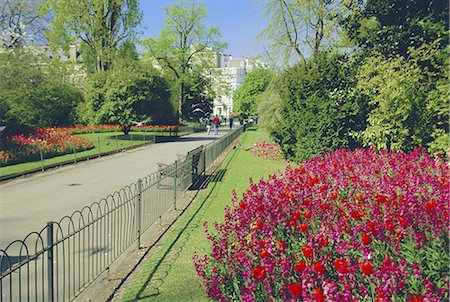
pixel 169 275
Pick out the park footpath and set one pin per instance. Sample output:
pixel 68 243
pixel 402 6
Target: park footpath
pixel 29 202
pixel 164 271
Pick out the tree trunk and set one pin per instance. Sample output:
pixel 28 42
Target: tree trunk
pixel 180 103
pixel 126 129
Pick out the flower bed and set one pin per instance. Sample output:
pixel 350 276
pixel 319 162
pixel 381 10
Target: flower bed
pixel 51 141
pixel 267 150
pixel 346 226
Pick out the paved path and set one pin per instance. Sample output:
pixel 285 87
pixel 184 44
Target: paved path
pixel 28 203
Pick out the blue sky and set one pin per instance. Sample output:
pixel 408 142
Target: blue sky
pixel 239 21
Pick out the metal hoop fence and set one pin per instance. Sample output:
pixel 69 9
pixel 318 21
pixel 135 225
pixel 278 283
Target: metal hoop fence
pixel 58 262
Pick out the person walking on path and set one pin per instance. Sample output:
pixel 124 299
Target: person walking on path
pixel 216 125
pixel 231 121
pixel 208 125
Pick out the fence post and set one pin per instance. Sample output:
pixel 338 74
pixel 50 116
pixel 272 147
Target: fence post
pixel 42 157
pixel 138 212
pixel 98 140
pixel 50 282
pixel 175 185
pixel 204 160
pixel 74 154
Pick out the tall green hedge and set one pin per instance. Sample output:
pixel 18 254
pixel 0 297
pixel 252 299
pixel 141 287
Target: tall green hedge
pixel 321 108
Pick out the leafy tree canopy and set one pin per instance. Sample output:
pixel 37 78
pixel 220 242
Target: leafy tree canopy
pixel 34 92
pixel 245 97
pixel 128 93
pixel 101 25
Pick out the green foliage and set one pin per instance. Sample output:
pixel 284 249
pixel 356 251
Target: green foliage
pixel 245 97
pixel 390 27
pixel 409 99
pixel 270 106
pixel 34 92
pixel 321 107
pixel 101 25
pixel 125 94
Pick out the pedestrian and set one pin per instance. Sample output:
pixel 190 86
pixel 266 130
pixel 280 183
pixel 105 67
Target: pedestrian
pixel 208 125
pixel 216 125
pixel 231 121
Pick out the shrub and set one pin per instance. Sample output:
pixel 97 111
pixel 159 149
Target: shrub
pixel 321 107
pixel 344 226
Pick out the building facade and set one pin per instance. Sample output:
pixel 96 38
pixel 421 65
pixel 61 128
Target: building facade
pixel 231 75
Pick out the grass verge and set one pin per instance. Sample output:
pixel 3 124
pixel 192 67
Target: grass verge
pixel 105 142
pixel 169 274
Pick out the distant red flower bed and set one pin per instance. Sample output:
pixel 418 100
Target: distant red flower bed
pixel 50 141
pixel 267 150
pixel 345 226
pixel 79 129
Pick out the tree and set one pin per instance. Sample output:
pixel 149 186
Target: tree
pixel 101 25
pixel 21 22
pixel 390 27
pixel 127 93
pixel 298 28
pixel 409 101
pixel 185 45
pixel 34 92
pixel 245 97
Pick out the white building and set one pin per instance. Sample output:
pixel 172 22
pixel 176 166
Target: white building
pixel 232 73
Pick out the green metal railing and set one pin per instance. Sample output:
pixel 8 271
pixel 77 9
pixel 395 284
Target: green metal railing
pixel 58 262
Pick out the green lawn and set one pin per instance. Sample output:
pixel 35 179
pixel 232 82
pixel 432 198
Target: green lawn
pixel 103 143
pixel 169 275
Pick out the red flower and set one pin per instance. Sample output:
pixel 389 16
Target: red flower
pixel 389 226
pixel 382 298
pixel 431 205
pixel 318 295
pixel 293 222
pixel 296 215
pixel 366 239
pixel 340 265
pixel 319 268
pixel 242 205
pixel 333 195
pixel 259 225
pixel 323 241
pixel 259 273
pixel 307 252
pixel 281 245
pixel 300 266
pixel 303 227
pixel 295 289
pixel 416 299
pixel 264 253
pixel 381 198
pixel 261 243
pixel 357 215
pixel 366 268
pixel 307 214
